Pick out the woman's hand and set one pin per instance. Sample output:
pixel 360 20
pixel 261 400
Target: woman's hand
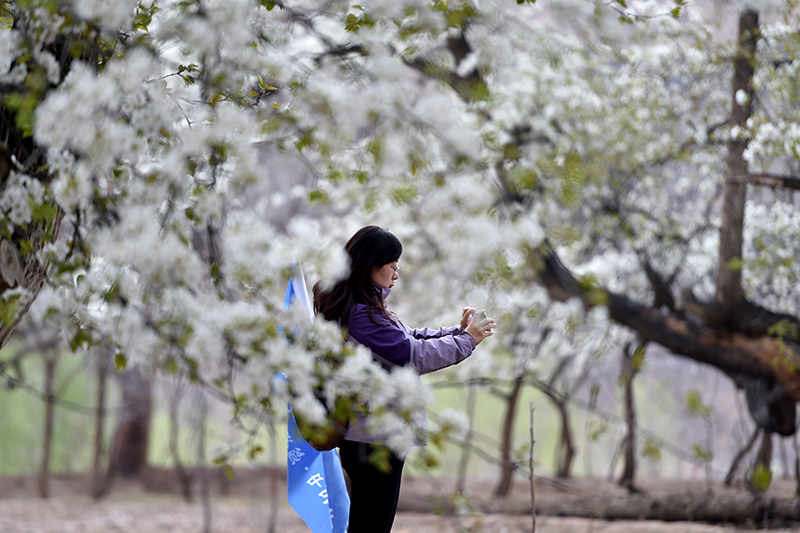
pixel 466 313
pixel 479 327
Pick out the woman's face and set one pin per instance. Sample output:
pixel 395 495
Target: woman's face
pixel 386 275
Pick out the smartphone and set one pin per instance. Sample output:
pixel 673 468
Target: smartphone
pixel 483 317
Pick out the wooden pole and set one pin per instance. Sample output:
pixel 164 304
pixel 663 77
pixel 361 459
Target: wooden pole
pixel 533 489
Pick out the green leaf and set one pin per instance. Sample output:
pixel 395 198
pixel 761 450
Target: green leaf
pixel 651 451
pixel 701 453
pixel 318 195
pixel 695 405
pixel 784 329
pixel 229 472
pixel 43 212
pixel 305 140
pixel 597 428
pixel 80 338
pixel 404 194
pixel 761 478
pixel 112 293
pixel 254 451
pixel 638 357
pixel 734 263
pixel 120 362
pixel 142 19
pixel 25 247
pixel 380 459
pixel 9 310
pixel 573 179
pixel 524 178
pixel 266 86
pixel 352 23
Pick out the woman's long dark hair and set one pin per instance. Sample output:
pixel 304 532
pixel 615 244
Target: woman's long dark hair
pixel 371 247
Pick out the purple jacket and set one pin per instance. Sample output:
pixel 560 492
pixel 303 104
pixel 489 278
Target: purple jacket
pixel 398 345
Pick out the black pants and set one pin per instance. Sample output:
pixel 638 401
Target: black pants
pixel 373 494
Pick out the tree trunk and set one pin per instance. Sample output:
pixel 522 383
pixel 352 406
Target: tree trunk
pixel 184 476
pixel 740 455
pixel 566 448
pixel 131 439
pixel 729 280
pixel 465 450
pixel 764 455
pixel 202 470
pixel 98 476
pixel 697 504
pixel 50 361
pixel 508 466
pixel 785 473
pixel 710 507
pixel 629 442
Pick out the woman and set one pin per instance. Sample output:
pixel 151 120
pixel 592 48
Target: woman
pixel 358 305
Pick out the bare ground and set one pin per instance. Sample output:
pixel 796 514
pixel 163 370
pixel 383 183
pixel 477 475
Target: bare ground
pixel 244 506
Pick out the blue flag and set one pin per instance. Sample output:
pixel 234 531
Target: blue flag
pixel 315 482
pixel 315 485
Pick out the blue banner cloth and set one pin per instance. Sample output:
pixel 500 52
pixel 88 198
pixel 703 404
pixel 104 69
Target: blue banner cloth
pixel 315 485
pixel 315 481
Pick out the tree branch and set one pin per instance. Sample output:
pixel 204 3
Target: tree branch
pixel 770 180
pixel 735 352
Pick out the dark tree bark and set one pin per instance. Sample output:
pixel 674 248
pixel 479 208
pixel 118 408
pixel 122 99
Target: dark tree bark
pixel 565 450
pixel 764 455
pixel 745 355
pixel 740 456
pixel 508 466
pixel 566 447
pixel 131 439
pixel 729 280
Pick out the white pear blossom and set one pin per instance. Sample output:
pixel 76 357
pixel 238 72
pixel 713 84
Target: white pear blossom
pixel 211 149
